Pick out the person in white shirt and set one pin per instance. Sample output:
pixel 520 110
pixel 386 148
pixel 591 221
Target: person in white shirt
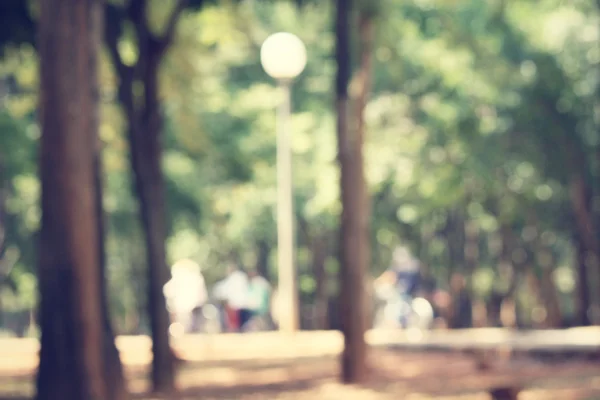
pixel 233 291
pixel 185 292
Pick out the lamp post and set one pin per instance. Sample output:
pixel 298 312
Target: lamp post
pixel 283 57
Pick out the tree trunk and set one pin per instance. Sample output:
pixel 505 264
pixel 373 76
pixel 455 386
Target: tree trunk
pixel 471 259
pixel 551 301
pixel 354 240
pixel 262 258
pixel 71 356
pixel 319 256
pixel 548 291
pixel 146 157
pixel 3 195
pixel 113 369
pixel 587 233
pixel 144 133
pixel 502 302
pixel 454 234
pixel 582 291
pixel 3 271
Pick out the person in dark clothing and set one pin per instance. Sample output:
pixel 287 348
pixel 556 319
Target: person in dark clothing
pixel 407 273
pixel 402 278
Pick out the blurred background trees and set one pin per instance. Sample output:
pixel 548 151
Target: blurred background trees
pixel 481 154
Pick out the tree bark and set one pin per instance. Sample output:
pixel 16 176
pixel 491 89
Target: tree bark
pixel 354 240
pixel 582 291
pixel 319 256
pixel 551 301
pixel 3 196
pixel 71 356
pixel 3 271
pixel 146 163
pixel 262 258
pixel 548 291
pixel 587 233
pixel 145 123
pixel 113 370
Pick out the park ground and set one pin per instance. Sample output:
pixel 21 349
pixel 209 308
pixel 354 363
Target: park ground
pixel 305 366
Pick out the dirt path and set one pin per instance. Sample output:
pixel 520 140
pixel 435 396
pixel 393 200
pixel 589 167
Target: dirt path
pixel 270 368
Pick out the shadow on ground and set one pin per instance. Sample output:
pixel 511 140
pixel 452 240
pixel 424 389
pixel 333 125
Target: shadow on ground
pixel 394 374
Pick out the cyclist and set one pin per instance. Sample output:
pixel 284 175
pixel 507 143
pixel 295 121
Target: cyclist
pixel 404 276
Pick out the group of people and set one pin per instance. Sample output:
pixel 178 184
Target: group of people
pixel 243 300
pixel 241 297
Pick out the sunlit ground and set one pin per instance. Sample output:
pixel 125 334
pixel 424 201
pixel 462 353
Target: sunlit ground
pixel 304 366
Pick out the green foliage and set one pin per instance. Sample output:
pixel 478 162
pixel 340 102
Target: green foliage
pixel 474 108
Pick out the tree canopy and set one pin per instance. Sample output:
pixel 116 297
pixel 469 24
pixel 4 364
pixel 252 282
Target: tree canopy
pixel 481 147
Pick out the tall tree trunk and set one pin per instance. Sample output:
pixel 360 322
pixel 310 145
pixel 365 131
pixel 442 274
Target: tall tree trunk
pixel 3 271
pixel 354 240
pixel 71 355
pixel 582 291
pixel 582 205
pixel 581 201
pixel 551 301
pixel 502 301
pixel 454 234
pixel 146 163
pixel 319 256
pixel 549 293
pixel 262 258
pixel 3 194
pixel 113 369
pixel 144 133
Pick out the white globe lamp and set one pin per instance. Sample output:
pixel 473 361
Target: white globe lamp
pixel 283 56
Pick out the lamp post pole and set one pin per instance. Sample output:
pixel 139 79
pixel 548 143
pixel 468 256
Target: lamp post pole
pixel 283 57
pixel 288 284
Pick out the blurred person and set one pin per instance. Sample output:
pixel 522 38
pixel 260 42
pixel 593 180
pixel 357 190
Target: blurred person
pixel 233 292
pixel 396 287
pixel 259 301
pixel 403 273
pixel 185 292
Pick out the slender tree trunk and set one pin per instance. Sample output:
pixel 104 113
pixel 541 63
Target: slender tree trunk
pixel 319 256
pixel 471 257
pixel 146 157
pixel 71 355
pixel 262 258
pixel 588 234
pixel 455 239
pixel 503 302
pixel 3 194
pixel 548 290
pixel 582 291
pixel 150 189
pixel 581 199
pixel 550 296
pixel 113 369
pixel 144 133
pixel 354 240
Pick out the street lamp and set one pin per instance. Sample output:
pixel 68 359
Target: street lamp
pixel 283 57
